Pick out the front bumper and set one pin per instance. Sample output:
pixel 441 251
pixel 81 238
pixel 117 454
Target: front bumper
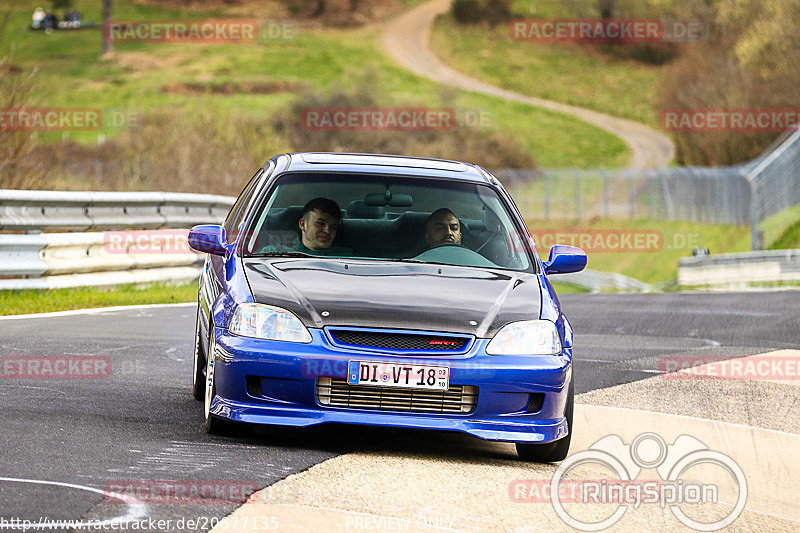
pixel 270 382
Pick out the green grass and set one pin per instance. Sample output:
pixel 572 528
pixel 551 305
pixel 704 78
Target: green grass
pixel 70 74
pixel 788 239
pixel 781 229
pixel 21 302
pixel 567 73
pixel 657 265
pixel 567 288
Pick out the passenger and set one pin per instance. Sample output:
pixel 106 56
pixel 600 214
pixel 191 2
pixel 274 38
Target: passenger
pixel 319 225
pixel 442 228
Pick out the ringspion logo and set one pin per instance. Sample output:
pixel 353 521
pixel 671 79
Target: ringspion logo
pixel 673 490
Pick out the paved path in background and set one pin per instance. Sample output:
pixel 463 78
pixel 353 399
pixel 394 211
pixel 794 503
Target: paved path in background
pixel 406 39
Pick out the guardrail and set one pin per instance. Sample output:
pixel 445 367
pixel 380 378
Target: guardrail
pixel 740 269
pixel 36 211
pixel 89 257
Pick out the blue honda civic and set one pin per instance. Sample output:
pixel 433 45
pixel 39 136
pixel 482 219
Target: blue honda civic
pixel 384 291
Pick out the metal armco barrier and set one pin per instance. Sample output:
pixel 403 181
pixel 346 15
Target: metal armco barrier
pixel 35 211
pixel 739 269
pixel 596 281
pixel 139 245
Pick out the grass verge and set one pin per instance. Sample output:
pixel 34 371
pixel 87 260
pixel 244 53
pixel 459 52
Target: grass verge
pixel 565 73
pixel 655 261
pixel 21 302
pixel 140 79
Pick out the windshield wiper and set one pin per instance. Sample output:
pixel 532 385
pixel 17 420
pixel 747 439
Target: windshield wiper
pixel 281 254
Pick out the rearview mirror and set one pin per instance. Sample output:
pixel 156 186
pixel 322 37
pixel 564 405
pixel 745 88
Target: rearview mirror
pixel 388 200
pixel 208 238
pixel 565 259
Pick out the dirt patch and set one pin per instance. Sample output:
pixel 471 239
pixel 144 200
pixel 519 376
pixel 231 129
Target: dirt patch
pixel 229 88
pixel 10 68
pixel 141 61
pixel 338 13
pixel 246 8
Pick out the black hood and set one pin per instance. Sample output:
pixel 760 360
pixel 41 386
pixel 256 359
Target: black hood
pixel 375 294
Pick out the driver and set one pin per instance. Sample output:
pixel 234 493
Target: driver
pixel 442 227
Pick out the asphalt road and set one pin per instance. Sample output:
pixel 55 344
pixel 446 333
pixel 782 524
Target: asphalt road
pixel 140 423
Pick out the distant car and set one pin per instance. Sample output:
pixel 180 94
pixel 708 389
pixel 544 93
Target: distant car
pixel 385 316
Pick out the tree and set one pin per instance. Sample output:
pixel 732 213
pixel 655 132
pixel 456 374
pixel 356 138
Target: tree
pixel 607 9
pixel 61 4
pixel 107 46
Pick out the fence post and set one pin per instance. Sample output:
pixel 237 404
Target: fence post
pixel 578 207
pixel 631 196
pixel 546 195
pixel 755 236
pixel 606 213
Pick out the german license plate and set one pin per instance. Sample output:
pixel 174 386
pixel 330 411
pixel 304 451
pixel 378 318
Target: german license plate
pixel 398 375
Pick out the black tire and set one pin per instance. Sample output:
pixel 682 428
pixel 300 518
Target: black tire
pixel 198 378
pixel 552 451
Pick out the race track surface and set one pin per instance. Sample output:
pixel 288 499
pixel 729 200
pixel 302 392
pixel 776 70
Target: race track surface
pixel 141 423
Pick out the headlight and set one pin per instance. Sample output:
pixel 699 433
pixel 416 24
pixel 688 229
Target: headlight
pixel 268 322
pixel 531 337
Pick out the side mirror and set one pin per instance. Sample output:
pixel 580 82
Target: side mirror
pixel 208 238
pixel 565 259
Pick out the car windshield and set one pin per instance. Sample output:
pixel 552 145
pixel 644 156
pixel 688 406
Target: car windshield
pixel 387 218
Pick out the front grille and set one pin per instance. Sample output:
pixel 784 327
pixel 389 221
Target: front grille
pixel 459 399
pixel 399 341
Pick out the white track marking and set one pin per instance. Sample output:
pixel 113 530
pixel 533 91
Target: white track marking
pixel 136 509
pixel 94 311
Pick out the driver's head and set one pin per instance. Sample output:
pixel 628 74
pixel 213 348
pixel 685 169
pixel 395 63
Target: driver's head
pixel 319 223
pixel 442 228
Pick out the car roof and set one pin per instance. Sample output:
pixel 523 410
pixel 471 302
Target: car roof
pixel 382 164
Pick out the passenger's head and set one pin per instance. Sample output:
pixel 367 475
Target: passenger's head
pixel 442 228
pixel 319 223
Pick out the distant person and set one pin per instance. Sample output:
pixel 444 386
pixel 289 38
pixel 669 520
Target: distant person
pixel 442 228
pixel 38 18
pixel 319 225
pixel 50 22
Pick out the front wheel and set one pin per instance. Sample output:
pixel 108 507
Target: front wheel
pixel 213 424
pixel 551 451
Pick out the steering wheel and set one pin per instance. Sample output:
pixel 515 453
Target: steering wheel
pixel 455 254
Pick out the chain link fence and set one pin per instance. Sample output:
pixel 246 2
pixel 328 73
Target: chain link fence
pixel 745 194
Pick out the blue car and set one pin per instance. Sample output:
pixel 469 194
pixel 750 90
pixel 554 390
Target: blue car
pixel 384 291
